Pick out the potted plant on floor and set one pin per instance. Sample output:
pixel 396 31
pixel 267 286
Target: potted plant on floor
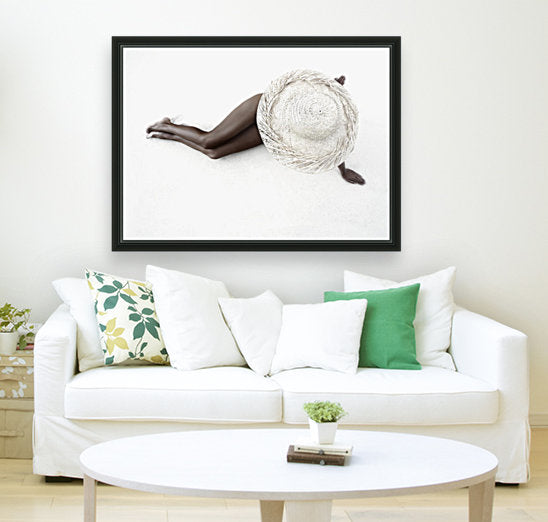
pixel 11 319
pixel 323 419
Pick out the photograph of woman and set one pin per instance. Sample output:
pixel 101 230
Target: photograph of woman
pixel 242 143
pixel 305 119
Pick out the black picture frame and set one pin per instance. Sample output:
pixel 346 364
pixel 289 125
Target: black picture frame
pixel 393 243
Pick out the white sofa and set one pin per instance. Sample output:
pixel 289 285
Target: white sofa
pixel 485 402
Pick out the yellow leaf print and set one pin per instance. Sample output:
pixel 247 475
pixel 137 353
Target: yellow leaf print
pixel 121 343
pixel 111 325
pixel 129 291
pixel 90 285
pixel 110 346
pixel 118 332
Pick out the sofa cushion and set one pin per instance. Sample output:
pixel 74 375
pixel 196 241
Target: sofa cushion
pixel 193 326
pixel 322 335
pixel 75 293
pixel 388 336
pixel 374 396
pixel 255 323
pixel 434 311
pixel 223 394
pixel 126 318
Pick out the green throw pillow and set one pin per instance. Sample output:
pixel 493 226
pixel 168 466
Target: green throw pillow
pixel 388 335
pixel 128 324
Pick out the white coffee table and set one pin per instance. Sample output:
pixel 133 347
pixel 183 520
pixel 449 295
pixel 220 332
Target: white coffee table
pixel 251 464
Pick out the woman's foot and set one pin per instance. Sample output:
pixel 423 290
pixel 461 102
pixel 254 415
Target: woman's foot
pixel 154 126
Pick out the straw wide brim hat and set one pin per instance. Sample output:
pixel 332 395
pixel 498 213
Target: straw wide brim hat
pixel 307 121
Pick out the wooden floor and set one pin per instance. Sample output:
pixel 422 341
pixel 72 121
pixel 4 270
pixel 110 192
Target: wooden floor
pixel 25 497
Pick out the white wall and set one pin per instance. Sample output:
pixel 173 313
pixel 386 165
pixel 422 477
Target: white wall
pixel 474 149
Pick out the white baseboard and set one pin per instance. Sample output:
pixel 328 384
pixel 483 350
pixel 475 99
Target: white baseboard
pixel 538 420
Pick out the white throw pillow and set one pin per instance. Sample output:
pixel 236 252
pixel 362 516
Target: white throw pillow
pixel 325 335
pixel 434 315
pixel 75 293
pixel 255 324
pixel 193 327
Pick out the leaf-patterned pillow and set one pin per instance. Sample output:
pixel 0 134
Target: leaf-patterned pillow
pixel 128 324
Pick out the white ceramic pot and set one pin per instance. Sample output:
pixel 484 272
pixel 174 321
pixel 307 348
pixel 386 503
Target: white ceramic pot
pixel 322 432
pixel 8 342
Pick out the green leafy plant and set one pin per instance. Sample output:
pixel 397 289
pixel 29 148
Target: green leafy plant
pixel 28 335
pixel 324 411
pixel 12 318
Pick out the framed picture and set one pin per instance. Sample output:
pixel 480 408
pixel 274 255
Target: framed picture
pixel 256 143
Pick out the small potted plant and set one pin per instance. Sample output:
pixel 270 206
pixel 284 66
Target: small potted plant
pixel 11 319
pixel 323 419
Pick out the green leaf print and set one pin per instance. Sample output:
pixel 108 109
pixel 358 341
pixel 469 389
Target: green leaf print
pixel 153 322
pixel 110 302
pixel 109 360
pixel 127 299
pixel 152 330
pixel 108 289
pixel 138 331
pixel 147 311
pixel 134 317
pixel 117 284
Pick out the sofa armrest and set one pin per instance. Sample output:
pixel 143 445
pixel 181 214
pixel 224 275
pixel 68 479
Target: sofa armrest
pixel 497 354
pixel 54 362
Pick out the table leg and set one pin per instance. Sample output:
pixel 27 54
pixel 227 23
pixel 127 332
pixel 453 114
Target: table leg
pixel 90 499
pixel 301 510
pixel 480 501
pixel 272 510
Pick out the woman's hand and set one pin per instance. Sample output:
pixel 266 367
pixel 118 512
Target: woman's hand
pixel 352 177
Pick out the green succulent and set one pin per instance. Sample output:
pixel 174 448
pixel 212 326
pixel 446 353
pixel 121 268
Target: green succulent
pixel 324 411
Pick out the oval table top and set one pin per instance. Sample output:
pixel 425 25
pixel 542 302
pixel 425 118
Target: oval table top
pixel 251 463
